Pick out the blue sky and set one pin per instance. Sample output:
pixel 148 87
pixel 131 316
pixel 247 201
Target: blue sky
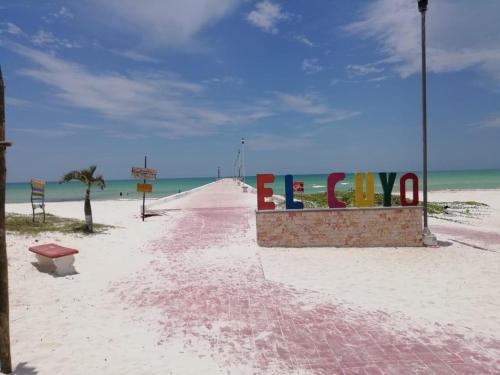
pixel 314 86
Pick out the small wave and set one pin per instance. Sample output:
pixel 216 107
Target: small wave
pixel 318 186
pixel 344 183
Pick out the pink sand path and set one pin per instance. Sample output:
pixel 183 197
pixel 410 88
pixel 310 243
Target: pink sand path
pixel 208 283
pixel 480 237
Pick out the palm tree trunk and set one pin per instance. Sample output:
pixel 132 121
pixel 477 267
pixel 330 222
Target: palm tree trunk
pixel 88 211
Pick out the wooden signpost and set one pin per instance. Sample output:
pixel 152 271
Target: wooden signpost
pixel 144 174
pixel 144 188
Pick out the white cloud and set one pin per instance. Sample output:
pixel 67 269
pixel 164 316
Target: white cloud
pixel 163 22
pixel 154 100
pixel 336 115
pixel 63 13
pixel 46 132
pixel 75 126
pixel 307 104
pixel 17 102
pixel 313 105
pixel 229 80
pixel 13 29
pixel 378 79
pixel 266 16
pixel 311 66
pixel 62 130
pixel 124 135
pixel 46 38
pixel 490 123
pixel 135 56
pixel 461 34
pixel 303 39
pixel 362 70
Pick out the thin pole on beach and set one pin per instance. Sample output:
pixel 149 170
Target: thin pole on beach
pixel 144 193
pixel 5 358
pixel 423 9
pixel 243 159
pixel 429 239
pixel 236 164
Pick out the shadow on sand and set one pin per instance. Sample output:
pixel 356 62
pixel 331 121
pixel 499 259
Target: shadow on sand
pixel 23 369
pixel 50 271
pixel 444 243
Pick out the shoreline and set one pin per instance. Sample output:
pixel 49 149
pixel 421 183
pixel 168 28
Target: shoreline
pixel 92 200
pixel 252 188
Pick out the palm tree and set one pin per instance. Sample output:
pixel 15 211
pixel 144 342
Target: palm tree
pixel 86 176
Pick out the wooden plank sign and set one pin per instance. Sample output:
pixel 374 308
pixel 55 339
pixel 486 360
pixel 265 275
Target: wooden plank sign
pixel 144 173
pixel 144 188
pixel 298 187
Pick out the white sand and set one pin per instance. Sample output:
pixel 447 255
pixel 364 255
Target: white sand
pixel 72 325
pixel 454 284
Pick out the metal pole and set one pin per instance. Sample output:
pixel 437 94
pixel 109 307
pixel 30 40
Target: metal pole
pixel 424 117
pixel 144 193
pixel 236 163
pixel 243 159
pixel 428 238
pixel 5 358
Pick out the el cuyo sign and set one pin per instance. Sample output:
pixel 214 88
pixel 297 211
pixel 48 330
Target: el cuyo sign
pixel 363 198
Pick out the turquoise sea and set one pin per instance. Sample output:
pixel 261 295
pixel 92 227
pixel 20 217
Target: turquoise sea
pixel 449 180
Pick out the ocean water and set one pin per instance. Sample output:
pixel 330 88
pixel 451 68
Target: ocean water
pixel 448 180
pixel 445 180
pixel 75 190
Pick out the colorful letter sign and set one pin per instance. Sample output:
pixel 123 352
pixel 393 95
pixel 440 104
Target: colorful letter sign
pixel 290 203
pixel 263 192
pixel 363 199
pixel 387 185
pixel 402 189
pixel 331 181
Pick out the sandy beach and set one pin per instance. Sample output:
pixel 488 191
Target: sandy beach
pixel 190 292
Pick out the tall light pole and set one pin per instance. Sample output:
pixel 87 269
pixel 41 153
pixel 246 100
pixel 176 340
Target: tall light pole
pixel 428 237
pixel 235 166
pixel 243 159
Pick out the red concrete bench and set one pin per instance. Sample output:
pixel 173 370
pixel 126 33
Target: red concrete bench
pixel 56 258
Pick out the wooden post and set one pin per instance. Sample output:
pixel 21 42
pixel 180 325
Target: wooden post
pixel 5 360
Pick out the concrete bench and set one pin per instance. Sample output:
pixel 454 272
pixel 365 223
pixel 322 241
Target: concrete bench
pixel 52 257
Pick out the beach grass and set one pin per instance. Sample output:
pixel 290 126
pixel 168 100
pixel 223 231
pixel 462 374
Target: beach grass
pixel 319 200
pixel 23 224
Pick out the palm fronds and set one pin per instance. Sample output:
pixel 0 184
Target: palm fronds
pixel 86 176
pixel 99 181
pixel 73 175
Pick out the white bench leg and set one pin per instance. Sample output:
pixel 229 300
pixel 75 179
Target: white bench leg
pixel 45 264
pixel 64 265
